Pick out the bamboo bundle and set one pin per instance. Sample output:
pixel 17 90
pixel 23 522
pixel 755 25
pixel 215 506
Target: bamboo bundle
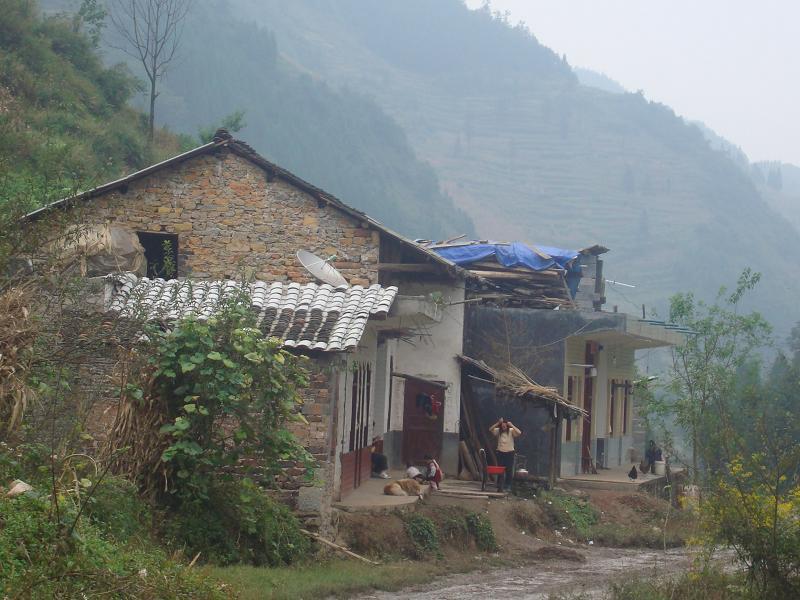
pixel 514 381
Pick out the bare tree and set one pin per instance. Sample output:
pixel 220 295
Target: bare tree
pixel 151 30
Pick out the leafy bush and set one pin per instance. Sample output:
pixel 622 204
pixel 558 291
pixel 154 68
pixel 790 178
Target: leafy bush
pixel 224 392
pixel 481 529
pixel 422 532
pixel 238 523
pixel 37 560
pixel 117 507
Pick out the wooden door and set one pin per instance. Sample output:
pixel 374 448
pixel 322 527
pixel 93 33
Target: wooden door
pixel 423 421
pixel 588 396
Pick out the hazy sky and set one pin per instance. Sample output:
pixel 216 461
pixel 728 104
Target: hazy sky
pixel 733 64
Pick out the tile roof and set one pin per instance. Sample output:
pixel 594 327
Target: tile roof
pixel 310 316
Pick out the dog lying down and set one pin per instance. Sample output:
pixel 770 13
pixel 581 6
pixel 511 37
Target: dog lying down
pixel 404 487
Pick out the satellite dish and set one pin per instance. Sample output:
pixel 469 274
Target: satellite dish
pixel 320 269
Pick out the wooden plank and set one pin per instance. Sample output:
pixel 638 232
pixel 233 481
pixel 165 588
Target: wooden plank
pixel 473 493
pixel 409 268
pixel 469 462
pixel 466 496
pixel 438 384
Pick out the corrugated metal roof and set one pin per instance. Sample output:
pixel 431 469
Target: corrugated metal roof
pixel 310 316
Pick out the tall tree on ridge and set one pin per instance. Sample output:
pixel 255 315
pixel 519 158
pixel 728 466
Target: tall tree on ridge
pixel 151 31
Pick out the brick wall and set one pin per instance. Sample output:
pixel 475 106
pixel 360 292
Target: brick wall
pixel 229 219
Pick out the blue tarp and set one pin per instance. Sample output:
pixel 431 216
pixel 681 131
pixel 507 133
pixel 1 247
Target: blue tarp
pixel 517 254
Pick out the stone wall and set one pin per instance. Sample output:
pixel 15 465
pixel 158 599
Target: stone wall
pixel 231 221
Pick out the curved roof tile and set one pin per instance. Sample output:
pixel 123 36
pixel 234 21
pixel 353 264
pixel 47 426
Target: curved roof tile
pixel 319 317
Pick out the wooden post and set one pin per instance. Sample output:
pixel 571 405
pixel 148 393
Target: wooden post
pixel 554 450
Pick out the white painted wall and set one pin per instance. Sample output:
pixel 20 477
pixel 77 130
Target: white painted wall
pixel 431 353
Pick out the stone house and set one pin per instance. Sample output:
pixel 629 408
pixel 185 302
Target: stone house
pixel 219 215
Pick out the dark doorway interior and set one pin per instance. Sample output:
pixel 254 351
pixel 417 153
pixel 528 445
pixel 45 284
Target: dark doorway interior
pixel 161 253
pixel 423 421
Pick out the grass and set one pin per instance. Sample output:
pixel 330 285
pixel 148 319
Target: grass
pixel 336 578
pixel 567 511
pixel 704 585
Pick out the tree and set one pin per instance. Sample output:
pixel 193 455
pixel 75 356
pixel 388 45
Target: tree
pixel 233 122
pixel 90 17
pixel 704 369
pixel 151 31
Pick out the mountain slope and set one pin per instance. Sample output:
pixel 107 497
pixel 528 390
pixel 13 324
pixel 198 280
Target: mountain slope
pixel 338 139
pixel 531 154
pixel 63 115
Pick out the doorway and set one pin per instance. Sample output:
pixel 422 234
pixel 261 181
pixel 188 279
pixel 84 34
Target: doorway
pixel 423 421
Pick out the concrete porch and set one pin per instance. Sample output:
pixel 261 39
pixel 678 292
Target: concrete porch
pixel 369 497
pixel 616 479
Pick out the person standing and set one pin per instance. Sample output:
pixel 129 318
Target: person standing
pixel 505 432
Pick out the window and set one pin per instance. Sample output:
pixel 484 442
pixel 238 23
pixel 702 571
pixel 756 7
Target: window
pixel 572 427
pixel 161 254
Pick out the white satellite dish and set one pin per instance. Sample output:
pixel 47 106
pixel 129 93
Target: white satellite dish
pixel 320 269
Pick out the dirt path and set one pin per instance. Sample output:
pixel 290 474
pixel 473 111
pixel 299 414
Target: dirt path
pixel 541 579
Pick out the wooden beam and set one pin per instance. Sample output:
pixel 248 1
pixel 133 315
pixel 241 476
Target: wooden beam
pixel 444 386
pixel 410 267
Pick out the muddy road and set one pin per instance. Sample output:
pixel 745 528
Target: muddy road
pixel 542 579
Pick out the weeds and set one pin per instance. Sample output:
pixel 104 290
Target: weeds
pixel 481 529
pixel 422 532
pixel 569 512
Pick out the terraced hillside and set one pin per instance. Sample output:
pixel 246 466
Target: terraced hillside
pixel 531 154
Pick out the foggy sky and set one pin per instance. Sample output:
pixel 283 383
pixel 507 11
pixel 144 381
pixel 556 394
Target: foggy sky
pixel 732 64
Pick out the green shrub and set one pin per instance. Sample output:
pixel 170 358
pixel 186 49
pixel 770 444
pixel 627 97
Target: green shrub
pixel 421 530
pixel 481 529
pixel 37 560
pixel 237 523
pixel 567 511
pixel 117 507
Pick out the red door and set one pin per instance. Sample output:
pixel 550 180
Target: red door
pixel 588 395
pixel 423 421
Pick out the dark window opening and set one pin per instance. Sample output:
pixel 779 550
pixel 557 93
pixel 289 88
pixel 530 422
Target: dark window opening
pixel 161 254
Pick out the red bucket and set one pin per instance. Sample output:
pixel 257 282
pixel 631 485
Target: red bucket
pixel 492 470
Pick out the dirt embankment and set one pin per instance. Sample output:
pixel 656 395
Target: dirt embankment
pixel 555 525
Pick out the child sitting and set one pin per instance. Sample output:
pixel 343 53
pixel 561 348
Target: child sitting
pixel 433 472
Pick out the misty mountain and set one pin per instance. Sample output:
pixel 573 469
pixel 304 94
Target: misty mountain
pixel 338 139
pixel 530 153
pixel 383 103
pixel 779 184
pixel 597 80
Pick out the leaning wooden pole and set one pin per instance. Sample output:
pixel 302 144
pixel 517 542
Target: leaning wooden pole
pixel 322 540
